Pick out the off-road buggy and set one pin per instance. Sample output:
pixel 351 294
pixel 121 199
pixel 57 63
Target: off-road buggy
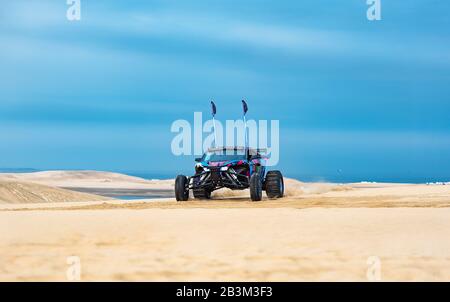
pixel 236 168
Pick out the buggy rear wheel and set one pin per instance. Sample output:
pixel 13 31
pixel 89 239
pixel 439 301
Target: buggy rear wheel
pixel 274 184
pixel 255 187
pixel 181 188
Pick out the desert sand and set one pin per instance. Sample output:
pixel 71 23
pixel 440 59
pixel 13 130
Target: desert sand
pixel 318 232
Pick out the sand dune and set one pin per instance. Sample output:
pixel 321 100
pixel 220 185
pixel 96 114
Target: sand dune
pixel 87 179
pixel 25 192
pixel 318 232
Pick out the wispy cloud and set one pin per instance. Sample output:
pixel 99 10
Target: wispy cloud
pixel 197 27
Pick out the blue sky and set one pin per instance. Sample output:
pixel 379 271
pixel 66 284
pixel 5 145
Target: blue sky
pixel 356 100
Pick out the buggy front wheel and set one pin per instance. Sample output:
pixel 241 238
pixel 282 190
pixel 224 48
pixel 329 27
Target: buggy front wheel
pixel 255 187
pixel 181 188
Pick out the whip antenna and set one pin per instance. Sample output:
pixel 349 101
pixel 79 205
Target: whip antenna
pixel 213 111
pixel 245 109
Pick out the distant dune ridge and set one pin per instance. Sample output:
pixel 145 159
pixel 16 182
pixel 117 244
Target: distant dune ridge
pixel 71 176
pixel 27 192
pixel 55 186
pixel 87 179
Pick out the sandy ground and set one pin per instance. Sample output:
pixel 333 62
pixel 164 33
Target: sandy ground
pixel 318 232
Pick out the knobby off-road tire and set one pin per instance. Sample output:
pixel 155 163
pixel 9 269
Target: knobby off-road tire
pixel 255 187
pixel 274 184
pixel 181 188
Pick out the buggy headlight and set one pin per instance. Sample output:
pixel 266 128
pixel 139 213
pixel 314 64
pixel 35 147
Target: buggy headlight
pixel 205 169
pixel 224 169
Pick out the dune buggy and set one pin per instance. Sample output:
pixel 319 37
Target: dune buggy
pixel 236 168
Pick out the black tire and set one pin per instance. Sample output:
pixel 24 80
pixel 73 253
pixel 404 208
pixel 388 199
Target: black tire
pixel 274 184
pixel 181 188
pixel 255 187
pixel 201 193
